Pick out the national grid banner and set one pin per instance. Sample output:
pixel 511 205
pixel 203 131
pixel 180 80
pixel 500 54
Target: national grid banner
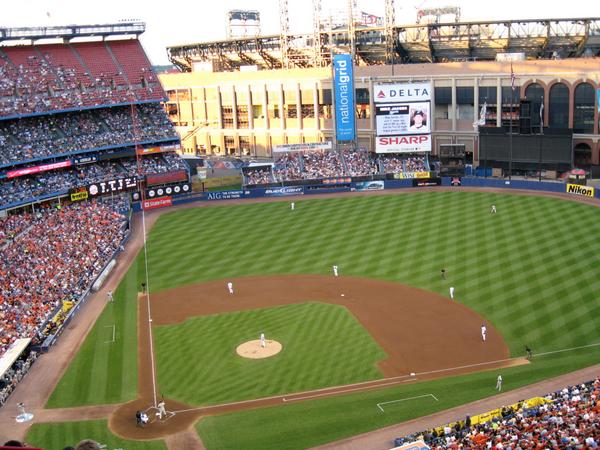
pixel 403 117
pixel 343 85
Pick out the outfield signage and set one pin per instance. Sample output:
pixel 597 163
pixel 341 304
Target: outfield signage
pixel 154 203
pixel 403 144
pixel 343 86
pixel 578 189
pixel 306 147
pixel 177 189
pixel 112 186
pixel 168 177
pixel 227 195
pixel 411 175
pixel 375 185
pixel 403 117
pixel 416 445
pixel 282 191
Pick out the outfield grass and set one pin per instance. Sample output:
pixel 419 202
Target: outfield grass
pixel 530 269
pixel 306 424
pixel 323 345
pixel 55 436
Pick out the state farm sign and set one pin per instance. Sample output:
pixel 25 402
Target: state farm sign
pixel 403 144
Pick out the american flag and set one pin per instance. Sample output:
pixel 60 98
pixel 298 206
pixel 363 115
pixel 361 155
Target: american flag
pixel 512 77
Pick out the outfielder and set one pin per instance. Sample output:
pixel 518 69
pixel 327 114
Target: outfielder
pixel 452 292
pixel 230 287
pixel 335 271
pixel 483 332
pixel 292 205
pixel 493 209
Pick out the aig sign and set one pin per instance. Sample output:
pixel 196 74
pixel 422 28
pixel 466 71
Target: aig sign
pixel 343 84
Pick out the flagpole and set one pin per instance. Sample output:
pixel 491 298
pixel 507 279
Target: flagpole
pixel 540 140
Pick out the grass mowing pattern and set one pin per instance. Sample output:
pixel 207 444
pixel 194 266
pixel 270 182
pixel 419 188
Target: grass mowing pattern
pixel 323 345
pixel 103 373
pixel 54 436
pixel 530 268
pixel 306 424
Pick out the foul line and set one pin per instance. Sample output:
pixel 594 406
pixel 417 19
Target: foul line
pixel 392 380
pixel 404 399
pixel 113 333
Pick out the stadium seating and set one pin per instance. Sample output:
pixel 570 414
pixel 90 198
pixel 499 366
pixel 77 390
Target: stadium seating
pixel 52 261
pixel 569 418
pixel 260 175
pixel 37 137
pixel 54 77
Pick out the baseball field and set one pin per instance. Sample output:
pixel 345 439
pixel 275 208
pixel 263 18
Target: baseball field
pixel 529 272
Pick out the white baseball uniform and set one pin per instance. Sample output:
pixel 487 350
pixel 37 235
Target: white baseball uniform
pixel 109 294
pixel 335 271
pixel 452 292
pixel 483 332
pixel 230 287
pixel 493 209
pixel 262 340
pixel 499 383
pixel 161 410
pixel 292 205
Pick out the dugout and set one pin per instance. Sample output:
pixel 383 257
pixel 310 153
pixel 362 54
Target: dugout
pixel 550 151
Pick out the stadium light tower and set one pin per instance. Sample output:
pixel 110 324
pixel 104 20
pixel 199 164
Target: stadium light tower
pixel 284 31
pixel 390 38
pixel 317 41
pixel 352 28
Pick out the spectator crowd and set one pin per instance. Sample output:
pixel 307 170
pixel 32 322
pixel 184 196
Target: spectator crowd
pixel 258 175
pixel 320 164
pixel 37 137
pixel 53 260
pixel 15 374
pixel 568 418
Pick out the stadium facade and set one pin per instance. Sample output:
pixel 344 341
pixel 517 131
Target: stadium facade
pixel 242 109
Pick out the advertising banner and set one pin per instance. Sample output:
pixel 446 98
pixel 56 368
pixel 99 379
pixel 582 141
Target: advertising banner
pixel 78 194
pixel 226 195
pixel 337 180
pixel 375 185
pixel 343 85
pixel 38 169
pixel 306 147
pixel 416 445
pixel 411 175
pixel 155 203
pixel 403 144
pixel 164 178
pixel 184 188
pixel 578 189
pixel 158 149
pixel 85 160
pixel 112 186
pixel 402 92
pixel 402 118
pixel 282 191
pixel 427 182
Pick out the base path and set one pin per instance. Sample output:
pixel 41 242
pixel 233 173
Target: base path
pixel 448 336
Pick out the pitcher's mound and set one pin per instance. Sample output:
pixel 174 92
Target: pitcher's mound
pixel 253 350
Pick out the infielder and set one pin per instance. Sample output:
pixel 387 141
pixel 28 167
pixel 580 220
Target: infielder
pixel 493 209
pixel 335 271
pixel 292 205
pixel 483 332
pixel 452 292
pixel 263 344
pixel 230 287
pixel 499 383
pixel 109 294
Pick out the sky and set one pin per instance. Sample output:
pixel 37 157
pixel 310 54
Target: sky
pixel 186 21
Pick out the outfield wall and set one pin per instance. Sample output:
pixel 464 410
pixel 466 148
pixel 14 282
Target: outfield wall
pixel 375 185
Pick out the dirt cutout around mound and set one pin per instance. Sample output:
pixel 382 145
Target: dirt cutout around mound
pixel 422 333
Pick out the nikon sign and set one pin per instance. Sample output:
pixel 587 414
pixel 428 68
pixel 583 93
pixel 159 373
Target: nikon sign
pixel 577 189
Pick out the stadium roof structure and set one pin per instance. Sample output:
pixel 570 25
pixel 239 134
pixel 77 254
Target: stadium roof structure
pixel 423 43
pixel 68 32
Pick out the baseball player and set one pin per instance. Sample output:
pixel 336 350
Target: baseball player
pixel 499 383
pixel 161 409
pixel 443 272
pixel 335 271
pixel 109 294
pixel 292 205
pixel 452 292
pixel 230 287
pixel 483 332
pixel 493 211
pixel 263 344
pixel 528 352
